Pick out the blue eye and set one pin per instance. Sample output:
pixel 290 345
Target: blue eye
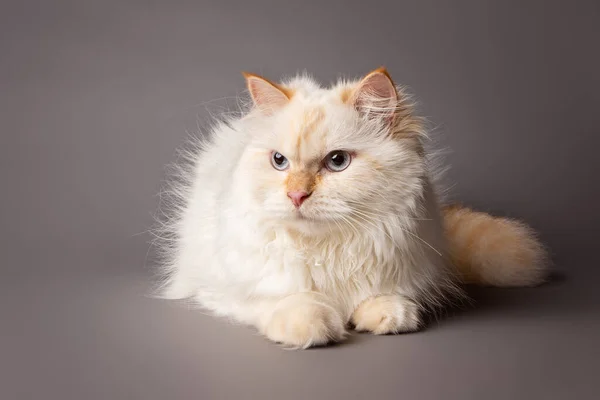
pixel 278 161
pixel 337 160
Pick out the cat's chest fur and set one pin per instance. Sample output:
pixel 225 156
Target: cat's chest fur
pixel 276 262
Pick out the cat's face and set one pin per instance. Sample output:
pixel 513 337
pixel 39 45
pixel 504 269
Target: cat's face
pixel 317 160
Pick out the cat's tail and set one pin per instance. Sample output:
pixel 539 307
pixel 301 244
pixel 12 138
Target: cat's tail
pixel 494 251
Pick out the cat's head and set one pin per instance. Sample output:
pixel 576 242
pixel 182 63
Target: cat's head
pixel 331 157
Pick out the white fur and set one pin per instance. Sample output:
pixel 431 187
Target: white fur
pixel 237 248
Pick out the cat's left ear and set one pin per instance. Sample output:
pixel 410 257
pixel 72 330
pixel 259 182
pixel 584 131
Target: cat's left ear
pixel 376 95
pixel 267 96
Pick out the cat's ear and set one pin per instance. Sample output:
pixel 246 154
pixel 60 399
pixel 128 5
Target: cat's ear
pixel 376 95
pixel 267 96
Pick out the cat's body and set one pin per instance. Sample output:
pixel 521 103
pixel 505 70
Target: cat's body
pixel 302 247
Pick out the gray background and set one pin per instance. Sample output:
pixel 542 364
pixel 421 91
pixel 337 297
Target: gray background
pixel 96 96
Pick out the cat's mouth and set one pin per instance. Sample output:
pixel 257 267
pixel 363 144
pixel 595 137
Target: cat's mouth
pixel 300 216
pixel 303 216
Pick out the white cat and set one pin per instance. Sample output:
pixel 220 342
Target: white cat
pixel 316 209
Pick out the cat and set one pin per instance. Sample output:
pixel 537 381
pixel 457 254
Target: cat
pixel 316 210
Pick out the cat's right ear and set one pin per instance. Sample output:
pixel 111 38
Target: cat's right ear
pixel 376 95
pixel 266 95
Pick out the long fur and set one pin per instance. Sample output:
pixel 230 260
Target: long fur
pixel 374 246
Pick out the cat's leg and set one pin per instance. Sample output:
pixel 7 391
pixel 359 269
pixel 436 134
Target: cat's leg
pixel 387 314
pixel 302 320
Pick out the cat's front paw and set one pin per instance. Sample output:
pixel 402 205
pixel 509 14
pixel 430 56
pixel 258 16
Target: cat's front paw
pixel 386 314
pixel 305 320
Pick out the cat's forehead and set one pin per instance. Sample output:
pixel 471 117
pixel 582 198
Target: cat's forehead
pixel 314 121
pixel 311 126
pixel 307 91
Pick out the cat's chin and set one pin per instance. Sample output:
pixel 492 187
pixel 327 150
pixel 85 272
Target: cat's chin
pixel 302 223
pixel 307 224
pixel 301 219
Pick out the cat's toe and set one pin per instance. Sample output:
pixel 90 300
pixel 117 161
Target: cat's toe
pixel 305 324
pixel 386 314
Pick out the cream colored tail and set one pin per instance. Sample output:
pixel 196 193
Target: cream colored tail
pixel 493 251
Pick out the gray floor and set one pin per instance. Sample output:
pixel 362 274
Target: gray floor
pixel 96 96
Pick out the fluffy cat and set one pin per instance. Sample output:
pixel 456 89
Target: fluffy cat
pixel 315 211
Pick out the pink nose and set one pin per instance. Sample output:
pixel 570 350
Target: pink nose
pixel 298 197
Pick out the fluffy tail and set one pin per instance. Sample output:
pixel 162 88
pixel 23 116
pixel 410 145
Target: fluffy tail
pixel 493 251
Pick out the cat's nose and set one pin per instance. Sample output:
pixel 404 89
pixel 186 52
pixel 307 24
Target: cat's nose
pixel 298 197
